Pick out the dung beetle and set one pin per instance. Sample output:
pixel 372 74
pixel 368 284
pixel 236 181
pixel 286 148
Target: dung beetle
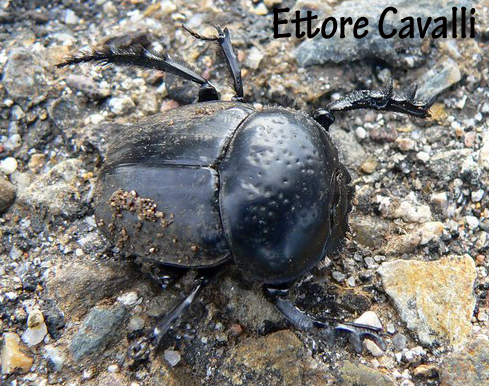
pixel 219 181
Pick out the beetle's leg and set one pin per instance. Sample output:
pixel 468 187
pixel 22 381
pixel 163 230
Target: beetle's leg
pixel 384 99
pixel 224 39
pixel 137 56
pixel 141 350
pixel 203 278
pixel 330 327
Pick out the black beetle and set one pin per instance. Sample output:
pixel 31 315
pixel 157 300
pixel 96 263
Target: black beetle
pixel 216 181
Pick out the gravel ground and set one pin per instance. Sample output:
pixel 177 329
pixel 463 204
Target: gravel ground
pixel 415 259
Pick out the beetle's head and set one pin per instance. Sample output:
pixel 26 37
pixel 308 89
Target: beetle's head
pixel 340 207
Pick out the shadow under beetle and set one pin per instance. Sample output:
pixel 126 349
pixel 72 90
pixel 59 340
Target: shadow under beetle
pixel 213 182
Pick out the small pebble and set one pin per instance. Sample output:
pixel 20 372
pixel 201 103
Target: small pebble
pixel 479 259
pixel 71 18
pixel 13 142
pixel 423 156
pixel 254 58
pixel 17 113
pixel 129 298
pixel 109 8
pixel 13 356
pixel 399 341
pixel 7 194
pixel 36 162
pixel 113 369
pixel 369 318
pixel 121 105
pixel 8 165
pixel 36 330
pixel 56 356
pixel 430 231
pixel 167 7
pixel 361 132
pixel 439 199
pixel 405 144
pixel 260 10
pixel 172 357
pixel 477 195
pixel 375 350
pixel 391 328
pixel 338 276
pixel 482 316
pixel 135 323
pixel 425 371
pixel 369 166
pixel 472 221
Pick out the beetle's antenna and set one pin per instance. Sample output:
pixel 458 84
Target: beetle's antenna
pixel 224 39
pixel 137 56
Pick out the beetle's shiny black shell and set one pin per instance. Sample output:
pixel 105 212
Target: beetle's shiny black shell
pixel 214 180
pixel 169 159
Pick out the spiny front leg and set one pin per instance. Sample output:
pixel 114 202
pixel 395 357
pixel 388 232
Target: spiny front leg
pixel 383 100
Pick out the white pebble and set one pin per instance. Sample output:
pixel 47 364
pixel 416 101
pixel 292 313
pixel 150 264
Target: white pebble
pixel 375 350
pixel 71 18
pixel 11 295
pixel 135 323
pixel 369 318
pixel 56 356
pixel 8 165
pixel 477 195
pixel 260 10
pixel 96 118
pixel 109 8
pixel 430 231
pixel 254 58
pixel 482 316
pixel 391 328
pixel 167 7
pixel 121 105
pixel 113 369
pixel 423 156
pixel 36 330
pixel 13 142
pixel 129 298
pixel 472 222
pixel 361 132
pixel 172 357
pixel 17 113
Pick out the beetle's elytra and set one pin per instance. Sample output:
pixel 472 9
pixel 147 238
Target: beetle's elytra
pixel 217 181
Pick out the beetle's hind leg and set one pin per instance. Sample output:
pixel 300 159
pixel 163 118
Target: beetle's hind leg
pixel 141 349
pixel 329 327
pixel 223 38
